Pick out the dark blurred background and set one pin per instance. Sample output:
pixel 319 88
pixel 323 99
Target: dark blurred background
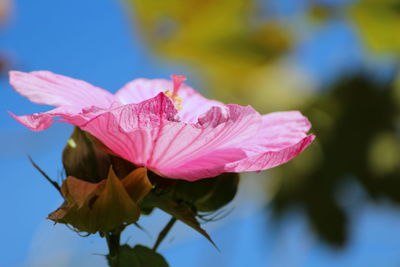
pixel 334 60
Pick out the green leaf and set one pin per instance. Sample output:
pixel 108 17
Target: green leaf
pixel 179 210
pixel 139 256
pixel 208 194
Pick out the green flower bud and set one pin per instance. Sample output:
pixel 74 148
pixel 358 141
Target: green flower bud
pixel 208 194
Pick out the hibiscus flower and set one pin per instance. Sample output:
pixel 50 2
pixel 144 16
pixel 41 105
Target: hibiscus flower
pixel 166 126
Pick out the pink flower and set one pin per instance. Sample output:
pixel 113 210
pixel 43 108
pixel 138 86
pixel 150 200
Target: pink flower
pixel 167 126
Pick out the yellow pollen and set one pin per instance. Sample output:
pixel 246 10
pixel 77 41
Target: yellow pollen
pixel 176 99
pixel 71 143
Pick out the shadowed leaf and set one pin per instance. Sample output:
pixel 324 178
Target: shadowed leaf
pixel 208 194
pixel 139 256
pixel 180 211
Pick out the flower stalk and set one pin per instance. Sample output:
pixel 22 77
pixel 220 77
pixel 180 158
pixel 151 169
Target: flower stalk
pixel 113 242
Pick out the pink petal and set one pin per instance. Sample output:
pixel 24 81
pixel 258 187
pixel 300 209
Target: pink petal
pixel 131 130
pixel 209 165
pixel 282 129
pixel 43 120
pixel 281 138
pixel 193 105
pixel 148 135
pixel 269 159
pixel 218 129
pixel 44 87
pixel 82 117
pixel 35 122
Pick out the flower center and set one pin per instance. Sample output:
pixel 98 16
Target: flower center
pixel 177 81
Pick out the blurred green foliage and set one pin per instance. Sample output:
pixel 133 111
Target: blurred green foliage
pixel 356 123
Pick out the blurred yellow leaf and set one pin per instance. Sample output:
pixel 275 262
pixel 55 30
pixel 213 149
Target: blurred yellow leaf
pixel 227 41
pixel 378 23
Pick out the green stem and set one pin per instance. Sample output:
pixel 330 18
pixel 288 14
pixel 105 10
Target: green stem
pixel 164 233
pixel 113 243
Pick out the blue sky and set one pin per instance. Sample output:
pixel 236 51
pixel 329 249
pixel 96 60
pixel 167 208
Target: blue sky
pixel 96 41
